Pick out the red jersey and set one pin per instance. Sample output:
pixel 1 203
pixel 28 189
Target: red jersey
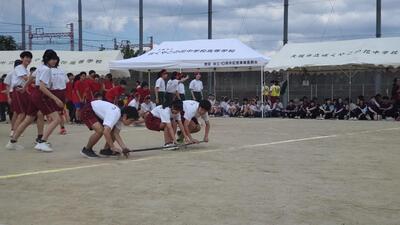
pixel 142 93
pixel 75 91
pixel 69 90
pixel 114 93
pixel 95 86
pixel 3 96
pixel 108 85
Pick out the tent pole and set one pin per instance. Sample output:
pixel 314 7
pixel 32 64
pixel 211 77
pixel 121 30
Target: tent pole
pixel 288 86
pixel 262 96
pixel 148 78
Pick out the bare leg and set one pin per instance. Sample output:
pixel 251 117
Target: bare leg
pixel 55 120
pixel 40 123
pixel 193 127
pixel 95 137
pixel 22 126
pixel 13 119
pixel 19 118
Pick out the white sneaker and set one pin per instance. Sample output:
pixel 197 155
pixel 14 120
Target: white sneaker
pixel 14 146
pixel 44 147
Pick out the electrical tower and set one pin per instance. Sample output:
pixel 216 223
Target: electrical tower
pixel 40 34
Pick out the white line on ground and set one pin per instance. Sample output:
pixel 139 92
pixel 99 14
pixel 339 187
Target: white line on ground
pixel 205 151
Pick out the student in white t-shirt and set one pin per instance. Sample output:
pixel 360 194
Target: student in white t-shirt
pixel 41 99
pixel 59 80
pixel 19 95
pixel 164 118
pixel 173 86
pixel 147 105
pixel 106 119
pixel 8 82
pixel 159 87
pixel 193 111
pixel 196 88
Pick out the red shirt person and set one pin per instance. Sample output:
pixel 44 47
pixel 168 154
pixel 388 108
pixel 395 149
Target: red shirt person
pixel 115 93
pixel 108 83
pixel 142 92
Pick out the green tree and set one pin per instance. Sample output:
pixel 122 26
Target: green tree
pixel 7 43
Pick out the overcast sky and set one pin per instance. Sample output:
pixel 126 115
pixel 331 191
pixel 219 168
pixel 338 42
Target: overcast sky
pixel 258 23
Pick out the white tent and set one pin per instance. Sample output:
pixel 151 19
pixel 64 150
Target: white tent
pixel 71 61
pixel 348 56
pixel 196 55
pixel 325 55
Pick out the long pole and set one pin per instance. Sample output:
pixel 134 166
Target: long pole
pixel 211 75
pixel 80 43
pixel 262 94
pixel 140 27
pixel 209 19
pixel 378 18
pixel 23 47
pixel 285 21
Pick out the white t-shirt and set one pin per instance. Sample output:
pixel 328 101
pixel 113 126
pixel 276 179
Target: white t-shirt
pixel 164 115
pixel 134 103
pixel 109 113
pixel 160 83
pixel 43 73
pixel 190 108
pixel 196 85
pixel 17 79
pixel 147 107
pixel 172 86
pixel 59 79
pixel 8 79
pixel 181 88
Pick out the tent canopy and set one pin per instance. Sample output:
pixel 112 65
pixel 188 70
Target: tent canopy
pixel 71 61
pixel 196 55
pixel 351 54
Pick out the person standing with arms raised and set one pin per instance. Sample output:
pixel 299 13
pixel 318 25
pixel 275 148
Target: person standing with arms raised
pixel 196 88
pixel 159 89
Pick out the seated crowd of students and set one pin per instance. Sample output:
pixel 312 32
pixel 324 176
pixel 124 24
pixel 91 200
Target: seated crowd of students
pixel 377 107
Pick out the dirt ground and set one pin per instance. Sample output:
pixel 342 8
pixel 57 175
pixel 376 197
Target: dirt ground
pixel 253 171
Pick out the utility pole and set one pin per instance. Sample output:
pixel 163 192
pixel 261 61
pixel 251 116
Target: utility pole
pixel 80 25
pixel 115 44
pixel 71 36
pixel 378 18
pixel 30 37
pixel 209 19
pixel 23 24
pixel 151 42
pixel 140 27
pixel 285 21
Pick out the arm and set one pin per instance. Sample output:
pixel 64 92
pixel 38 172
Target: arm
pixel 187 131
pixel 118 138
pixel 171 132
pixel 206 131
pixel 183 129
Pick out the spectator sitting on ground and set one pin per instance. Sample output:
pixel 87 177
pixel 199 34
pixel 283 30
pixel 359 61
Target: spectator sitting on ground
pixel 360 112
pixel 327 109
pixel 244 110
pixel 277 108
pixel 255 110
pixel 290 111
pixel 374 111
pixel 225 106
pixel 340 111
pixel 232 109
pixel 312 110
pixel 387 109
pixel 267 108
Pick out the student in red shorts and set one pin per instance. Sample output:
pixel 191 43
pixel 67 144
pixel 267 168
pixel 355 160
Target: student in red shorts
pixel 106 119
pixel 19 84
pixel 115 93
pixel 164 118
pixel 3 99
pixel 59 82
pixel 42 100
